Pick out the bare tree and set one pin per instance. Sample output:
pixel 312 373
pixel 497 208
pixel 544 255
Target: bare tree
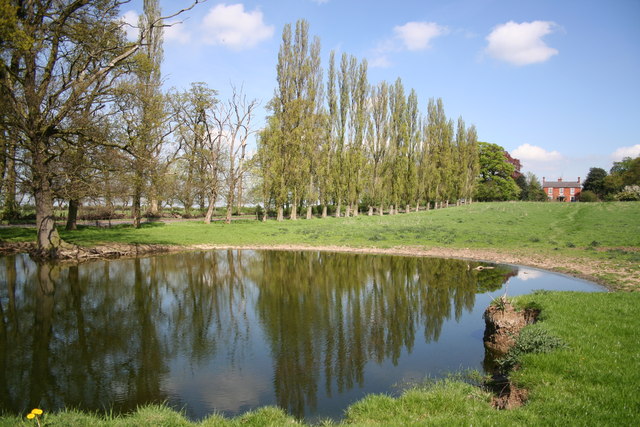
pixel 240 114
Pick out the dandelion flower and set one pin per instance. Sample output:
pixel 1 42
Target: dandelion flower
pixel 37 411
pixel 31 416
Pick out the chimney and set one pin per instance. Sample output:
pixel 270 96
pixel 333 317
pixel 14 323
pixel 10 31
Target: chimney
pixel 543 179
pixel 578 180
pixel 559 179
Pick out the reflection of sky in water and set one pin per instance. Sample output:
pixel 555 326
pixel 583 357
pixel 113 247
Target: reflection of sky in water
pixel 229 331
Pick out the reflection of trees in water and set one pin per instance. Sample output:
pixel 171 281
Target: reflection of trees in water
pixel 104 333
pixel 101 335
pixel 330 314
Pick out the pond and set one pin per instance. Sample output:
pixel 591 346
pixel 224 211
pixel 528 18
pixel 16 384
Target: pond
pixel 229 331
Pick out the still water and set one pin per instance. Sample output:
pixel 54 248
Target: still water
pixel 229 331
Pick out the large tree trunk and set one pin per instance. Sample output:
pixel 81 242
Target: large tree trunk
pixel 309 212
pixel 49 241
pixel 370 213
pixel 72 215
pixel 381 210
pixel 324 211
pixel 212 205
pixel 347 211
pixel 135 207
pixel 10 206
pixel 407 208
pixel 280 216
pixel 338 210
pixel 294 210
pixel 355 209
pixel 153 208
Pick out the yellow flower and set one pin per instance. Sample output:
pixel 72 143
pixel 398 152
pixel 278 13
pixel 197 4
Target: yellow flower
pixel 31 416
pixel 37 411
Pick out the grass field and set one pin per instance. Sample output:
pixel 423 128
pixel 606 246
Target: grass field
pixel 509 225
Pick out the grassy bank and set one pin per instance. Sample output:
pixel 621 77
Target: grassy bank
pixel 593 381
pixel 510 225
pixel 599 240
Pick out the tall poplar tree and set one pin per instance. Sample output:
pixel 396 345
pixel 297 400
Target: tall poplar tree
pixel 399 146
pixel 378 145
pixel 294 109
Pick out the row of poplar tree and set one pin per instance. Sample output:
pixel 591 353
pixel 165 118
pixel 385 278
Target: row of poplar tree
pixel 351 145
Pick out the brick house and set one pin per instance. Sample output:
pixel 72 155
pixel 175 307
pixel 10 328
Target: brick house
pixel 562 191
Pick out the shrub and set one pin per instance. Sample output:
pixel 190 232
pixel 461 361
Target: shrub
pixel 588 196
pixel 532 339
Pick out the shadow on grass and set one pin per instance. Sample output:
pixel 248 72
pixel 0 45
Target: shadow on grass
pixel 17 234
pixel 87 235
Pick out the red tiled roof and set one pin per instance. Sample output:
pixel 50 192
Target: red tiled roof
pixel 561 184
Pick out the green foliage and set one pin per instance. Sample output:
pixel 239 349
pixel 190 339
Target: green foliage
pixel 495 181
pixel 588 196
pixel 595 181
pixel 532 339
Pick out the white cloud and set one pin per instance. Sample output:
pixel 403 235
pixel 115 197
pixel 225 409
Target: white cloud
pixel 233 27
pixel 176 31
pixel 526 274
pixel 535 153
pixel 130 20
pixel 380 61
pixel 417 35
pixel 521 44
pixel 622 152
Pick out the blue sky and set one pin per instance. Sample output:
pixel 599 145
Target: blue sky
pixel 556 83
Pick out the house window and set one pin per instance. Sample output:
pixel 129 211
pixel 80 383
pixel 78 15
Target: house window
pixel 572 191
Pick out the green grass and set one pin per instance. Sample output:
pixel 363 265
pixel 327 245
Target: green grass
pixel 592 381
pixel 571 227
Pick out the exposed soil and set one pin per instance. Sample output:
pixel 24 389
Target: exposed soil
pixel 503 325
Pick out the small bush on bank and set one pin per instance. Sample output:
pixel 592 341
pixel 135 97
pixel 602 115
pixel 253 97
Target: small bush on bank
pixel 532 339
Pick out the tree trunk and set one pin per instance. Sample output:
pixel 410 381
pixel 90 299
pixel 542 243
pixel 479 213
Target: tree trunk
pixel 418 206
pixel 324 211
pixel 347 211
pixel 370 213
pixel 135 207
pixel 72 215
pixel 10 206
pixel 212 205
pixel 227 220
pixel 407 208
pixel 294 210
pixel 355 209
pixel 153 208
pixel 381 210
pixel 309 212
pixel 49 241
pixel 338 210
pixel 280 216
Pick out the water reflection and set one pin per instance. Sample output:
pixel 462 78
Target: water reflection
pixel 225 330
